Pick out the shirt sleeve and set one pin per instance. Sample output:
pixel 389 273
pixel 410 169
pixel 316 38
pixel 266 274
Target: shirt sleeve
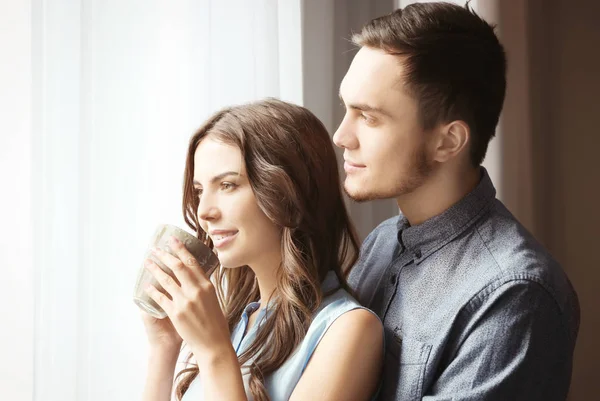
pixel 509 343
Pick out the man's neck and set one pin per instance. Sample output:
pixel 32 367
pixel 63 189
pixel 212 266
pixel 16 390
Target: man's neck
pixel 442 190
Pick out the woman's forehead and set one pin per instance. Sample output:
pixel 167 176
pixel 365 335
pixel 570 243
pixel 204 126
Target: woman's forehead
pixel 213 157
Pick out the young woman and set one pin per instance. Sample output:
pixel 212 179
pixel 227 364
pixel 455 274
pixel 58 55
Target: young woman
pixel 276 321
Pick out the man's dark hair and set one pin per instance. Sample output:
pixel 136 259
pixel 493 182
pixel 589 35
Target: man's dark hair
pixel 454 65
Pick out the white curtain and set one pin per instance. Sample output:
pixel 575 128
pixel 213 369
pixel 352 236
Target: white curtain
pixel 16 233
pixel 120 86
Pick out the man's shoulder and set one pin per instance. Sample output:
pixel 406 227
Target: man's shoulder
pixel 513 248
pixel 518 255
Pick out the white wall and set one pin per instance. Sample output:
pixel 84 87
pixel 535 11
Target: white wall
pixel 16 268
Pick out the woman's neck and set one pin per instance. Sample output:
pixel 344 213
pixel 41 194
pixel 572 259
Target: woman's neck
pixel 266 272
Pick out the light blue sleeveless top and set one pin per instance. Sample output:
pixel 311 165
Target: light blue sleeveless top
pixel 281 383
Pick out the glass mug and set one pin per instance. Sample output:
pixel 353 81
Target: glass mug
pixel 205 256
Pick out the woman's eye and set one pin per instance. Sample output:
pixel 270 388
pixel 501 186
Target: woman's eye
pixel 227 186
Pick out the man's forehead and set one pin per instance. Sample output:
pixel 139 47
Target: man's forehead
pixel 373 81
pixel 372 71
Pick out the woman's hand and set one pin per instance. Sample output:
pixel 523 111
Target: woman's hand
pixel 162 336
pixel 192 304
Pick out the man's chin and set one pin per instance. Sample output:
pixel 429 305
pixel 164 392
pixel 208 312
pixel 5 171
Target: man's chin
pixel 359 195
pixel 362 192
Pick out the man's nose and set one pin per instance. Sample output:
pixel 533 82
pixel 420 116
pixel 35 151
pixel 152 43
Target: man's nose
pixel 344 136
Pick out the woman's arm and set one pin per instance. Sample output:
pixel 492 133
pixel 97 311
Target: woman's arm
pixel 221 376
pixel 159 379
pixel 347 363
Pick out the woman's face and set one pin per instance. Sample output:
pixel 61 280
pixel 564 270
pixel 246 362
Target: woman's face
pixel 228 211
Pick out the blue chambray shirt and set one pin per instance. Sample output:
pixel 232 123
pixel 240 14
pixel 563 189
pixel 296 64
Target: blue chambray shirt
pixel 474 308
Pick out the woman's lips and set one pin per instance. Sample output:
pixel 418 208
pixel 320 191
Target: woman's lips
pixel 223 238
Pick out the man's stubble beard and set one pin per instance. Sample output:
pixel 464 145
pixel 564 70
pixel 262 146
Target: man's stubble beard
pixel 420 169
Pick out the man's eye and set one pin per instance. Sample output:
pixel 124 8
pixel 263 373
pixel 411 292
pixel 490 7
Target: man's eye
pixel 368 120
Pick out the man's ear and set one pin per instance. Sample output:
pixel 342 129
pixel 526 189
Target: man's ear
pixel 452 139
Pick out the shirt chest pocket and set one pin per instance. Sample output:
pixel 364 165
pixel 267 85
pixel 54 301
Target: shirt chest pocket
pixel 404 371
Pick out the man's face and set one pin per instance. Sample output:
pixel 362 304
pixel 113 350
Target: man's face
pixel 385 148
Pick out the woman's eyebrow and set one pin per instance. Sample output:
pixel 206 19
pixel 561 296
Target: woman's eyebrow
pixel 220 177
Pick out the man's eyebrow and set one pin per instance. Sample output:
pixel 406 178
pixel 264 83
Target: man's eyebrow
pixel 365 107
pixel 220 177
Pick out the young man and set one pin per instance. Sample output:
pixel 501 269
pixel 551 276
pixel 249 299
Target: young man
pixel 473 307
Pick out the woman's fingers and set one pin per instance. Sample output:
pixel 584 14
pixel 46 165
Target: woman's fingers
pixel 184 274
pixel 167 282
pixel 161 299
pixel 188 260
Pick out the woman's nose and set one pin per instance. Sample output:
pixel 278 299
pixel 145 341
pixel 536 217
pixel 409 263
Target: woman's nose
pixel 207 210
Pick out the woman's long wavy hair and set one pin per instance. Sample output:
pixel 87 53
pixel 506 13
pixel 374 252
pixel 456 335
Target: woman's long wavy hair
pixel 292 168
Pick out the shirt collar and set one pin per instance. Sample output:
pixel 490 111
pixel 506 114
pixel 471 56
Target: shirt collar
pixel 429 236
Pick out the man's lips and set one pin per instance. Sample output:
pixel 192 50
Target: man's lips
pixel 352 167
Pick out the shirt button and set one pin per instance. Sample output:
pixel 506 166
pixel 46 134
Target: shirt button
pixel 393 278
pixel 418 253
